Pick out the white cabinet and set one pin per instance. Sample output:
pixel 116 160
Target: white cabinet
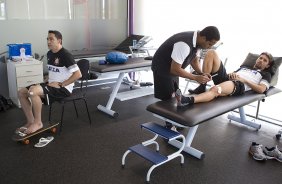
pixel 22 74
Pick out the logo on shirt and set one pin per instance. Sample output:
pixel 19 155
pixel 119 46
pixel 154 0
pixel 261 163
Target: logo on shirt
pixel 57 61
pixel 53 69
pixel 250 70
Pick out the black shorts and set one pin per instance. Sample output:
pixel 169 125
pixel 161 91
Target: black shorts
pixel 221 75
pixel 239 88
pixel 52 92
pixel 163 86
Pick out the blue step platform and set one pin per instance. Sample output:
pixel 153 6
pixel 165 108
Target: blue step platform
pixel 160 130
pixel 148 154
pixel 151 155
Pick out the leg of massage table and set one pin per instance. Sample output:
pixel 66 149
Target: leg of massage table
pixel 242 119
pixel 189 138
pixel 113 95
pixel 188 141
pixel 257 113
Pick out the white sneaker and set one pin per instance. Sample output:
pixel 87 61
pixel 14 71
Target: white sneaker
pixel 273 153
pixel 256 150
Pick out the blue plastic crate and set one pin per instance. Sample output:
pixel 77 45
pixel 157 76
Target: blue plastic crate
pixel 14 49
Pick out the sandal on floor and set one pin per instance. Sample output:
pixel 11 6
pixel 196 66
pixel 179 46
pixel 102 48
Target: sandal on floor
pixel 44 141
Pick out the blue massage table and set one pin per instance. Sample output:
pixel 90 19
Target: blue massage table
pixel 191 116
pixel 132 65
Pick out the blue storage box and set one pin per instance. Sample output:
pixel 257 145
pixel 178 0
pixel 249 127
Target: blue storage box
pixel 14 49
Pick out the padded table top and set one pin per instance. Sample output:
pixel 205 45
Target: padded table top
pixel 130 64
pixel 78 54
pixel 201 112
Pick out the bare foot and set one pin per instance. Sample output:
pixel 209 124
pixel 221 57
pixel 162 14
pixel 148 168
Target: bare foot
pixel 23 128
pixel 33 128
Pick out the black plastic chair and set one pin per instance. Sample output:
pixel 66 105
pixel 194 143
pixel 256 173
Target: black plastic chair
pixel 78 93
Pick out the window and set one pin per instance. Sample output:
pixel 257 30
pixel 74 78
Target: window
pixel 35 9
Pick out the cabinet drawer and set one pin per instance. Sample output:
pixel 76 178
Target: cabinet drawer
pixel 29 80
pixel 29 70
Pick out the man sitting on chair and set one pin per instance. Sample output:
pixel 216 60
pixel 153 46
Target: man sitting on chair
pixel 63 72
pixel 244 79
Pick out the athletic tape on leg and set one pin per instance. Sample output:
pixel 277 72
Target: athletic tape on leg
pixel 219 90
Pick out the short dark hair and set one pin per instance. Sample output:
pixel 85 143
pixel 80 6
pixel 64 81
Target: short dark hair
pixel 57 34
pixel 211 33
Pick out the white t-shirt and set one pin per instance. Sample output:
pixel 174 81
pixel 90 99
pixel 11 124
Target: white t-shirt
pixel 253 76
pixel 181 50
